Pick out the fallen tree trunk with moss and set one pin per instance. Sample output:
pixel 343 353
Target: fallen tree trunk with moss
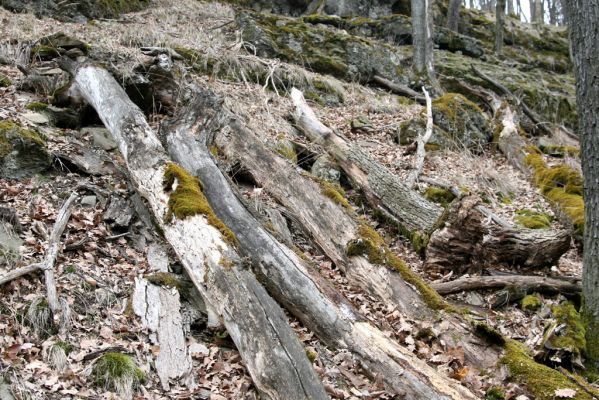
pixel 300 288
pixel 464 238
pixel 271 351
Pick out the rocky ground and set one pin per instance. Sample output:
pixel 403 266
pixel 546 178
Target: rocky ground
pixel 109 240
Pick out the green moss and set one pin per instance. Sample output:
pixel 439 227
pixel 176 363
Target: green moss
pixel 591 325
pixel 488 333
pixel 533 219
pixel 187 199
pixel 285 149
pixel 311 354
pixel 531 302
pixel 9 131
pixel 115 371
pixel 36 106
pixel 439 195
pixel 335 193
pixel 495 393
pixel 371 245
pixel 65 346
pixel 572 336
pixel 171 281
pixel 455 106
pixel 560 151
pixel 539 379
pixel 562 185
pixel 4 81
pixel 43 52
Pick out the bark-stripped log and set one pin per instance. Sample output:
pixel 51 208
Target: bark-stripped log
pixel 302 290
pixel 272 353
pixel 332 229
pixel 528 283
pixel 466 238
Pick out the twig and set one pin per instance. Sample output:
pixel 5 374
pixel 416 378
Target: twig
pixel 114 237
pixel 422 141
pixel 399 89
pixel 19 272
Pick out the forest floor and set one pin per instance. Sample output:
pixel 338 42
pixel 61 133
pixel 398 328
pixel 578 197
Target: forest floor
pixel 97 278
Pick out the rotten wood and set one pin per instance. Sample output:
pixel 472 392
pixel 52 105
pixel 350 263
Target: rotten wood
pixel 530 283
pixel 269 348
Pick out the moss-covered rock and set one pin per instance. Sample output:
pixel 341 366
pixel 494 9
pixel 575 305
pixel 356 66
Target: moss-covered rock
pixel 4 81
pixel 439 195
pixel 562 185
pixel 23 152
pixel 117 372
pixel 326 169
pixel 533 219
pixel 531 302
pixel 56 45
pixel 286 149
pixel 320 49
pixel 565 337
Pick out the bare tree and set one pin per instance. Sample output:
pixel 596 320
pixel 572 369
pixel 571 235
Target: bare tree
pixel 538 17
pixel 422 33
pixel 583 16
pixel 499 25
pixel 453 15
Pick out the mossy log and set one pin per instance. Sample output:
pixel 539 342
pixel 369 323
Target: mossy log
pixel 271 351
pixel 462 240
pixel 301 289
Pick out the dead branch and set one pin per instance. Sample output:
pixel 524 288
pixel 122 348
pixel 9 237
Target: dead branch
pixel 422 141
pixel 529 283
pixel 399 89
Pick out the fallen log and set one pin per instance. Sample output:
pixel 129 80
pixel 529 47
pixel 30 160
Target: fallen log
pixel 301 289
pixel 399 89
pixel 271 352
pixel 527 283
pixel 462 239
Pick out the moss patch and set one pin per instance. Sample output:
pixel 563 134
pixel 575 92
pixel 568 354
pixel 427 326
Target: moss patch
pixel 533 219
pixel 531 302
pixel 169 280
pixel 4 81
pixel 117 371
pixel 371 245
pixel 36 106
pixel 495 393
pixel 572 336
pixel 560 151
pixel 540 380
pixel 187 199
pixel 10 131
pixel 439 195
pixel 562 185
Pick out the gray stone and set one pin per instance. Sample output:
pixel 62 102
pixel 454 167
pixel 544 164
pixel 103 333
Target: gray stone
pixel 23 152
pixel 119 213
pixel 325 168
pixel 279 225
pixel 157 258
pixel 89 201
pixel 36 118
pixel 101 137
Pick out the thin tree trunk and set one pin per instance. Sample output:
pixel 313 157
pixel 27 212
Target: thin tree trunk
pixel 533 11
pixel 584 30
pixel 538 12
pixel 511 10
pixel 499 26
pixel 271 351
pixel 539 284
pixel 422 39
pixel 453 15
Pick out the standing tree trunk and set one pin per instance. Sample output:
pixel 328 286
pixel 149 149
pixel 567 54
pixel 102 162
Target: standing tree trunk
pixel 538 17
pixel 453 15
pixel 583 16
pixel 533 11
pixel 499 25
pixel 511 10
pixel 422 34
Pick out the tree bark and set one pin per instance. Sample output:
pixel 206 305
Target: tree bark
pixel 499 26
pixel 584 30
pixel 422 38
pixel 528 283
pixel 538 17
pixel 453 15
pixel 272 353
pixel 467 239
pixel 300 289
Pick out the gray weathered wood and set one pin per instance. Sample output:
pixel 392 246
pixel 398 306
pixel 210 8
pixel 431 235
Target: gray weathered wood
pixel 540 284
pixel 302 290
pixel 271 352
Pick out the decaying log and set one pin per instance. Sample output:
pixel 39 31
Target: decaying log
pixel 159 311
pixel 332 229
pixel 271 352
pixel 301 289
pixel 416 216
pixel 464 238
pixel 539 284
pixel 399 89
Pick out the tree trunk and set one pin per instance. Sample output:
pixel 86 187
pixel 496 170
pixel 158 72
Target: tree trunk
pixel 454 245
pixel 539 284
pixel 499 26
pixel 302 290
pixel 272 353
pixel 332 229
pixel 511 10
pixel 538 17
pixel 584 30
pixel 422 38
pixel 453 15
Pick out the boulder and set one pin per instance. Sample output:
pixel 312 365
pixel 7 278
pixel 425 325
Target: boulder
pixel 23 152
pixel 326 169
